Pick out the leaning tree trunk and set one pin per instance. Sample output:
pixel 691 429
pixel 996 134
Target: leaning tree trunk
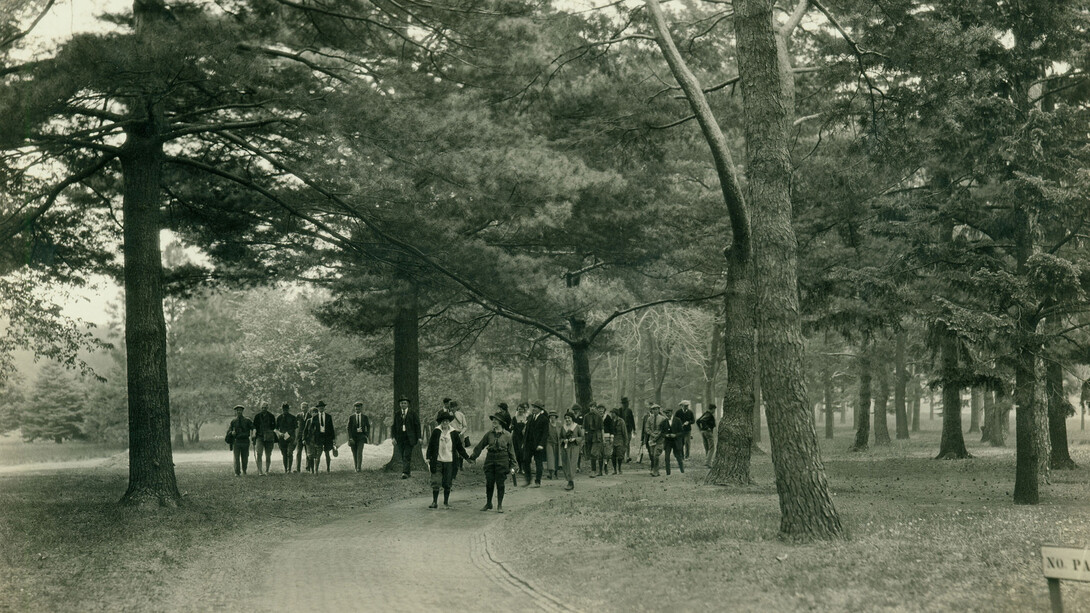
pixel 736 431
pixel 881 401
pixel 734 445
pixel 151 463
pixel 407 366
pixel 806 508
pixel 862 407
pixel 900 385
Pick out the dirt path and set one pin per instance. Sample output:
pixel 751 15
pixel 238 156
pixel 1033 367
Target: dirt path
pixel 406 557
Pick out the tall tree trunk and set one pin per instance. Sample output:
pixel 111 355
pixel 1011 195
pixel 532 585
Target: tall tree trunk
pixel 931 406
pixel 952 444
pixel 862 407
pixel 406 373
pixel 735 435
pixel 806 508
pixel 881 401
pixel 1058 410
pixel 917 400
pixel 151 463
pixel 976 407
pixel 1027 452
pixel 827 397
pixel 999 429
pixel 987 415
pixel 900 410
pixel 758 402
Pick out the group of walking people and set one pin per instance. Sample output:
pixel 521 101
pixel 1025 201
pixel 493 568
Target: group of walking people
pixel 531 442
pixel 311 431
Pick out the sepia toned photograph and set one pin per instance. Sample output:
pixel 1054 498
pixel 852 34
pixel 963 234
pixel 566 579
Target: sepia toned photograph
pixel 572 306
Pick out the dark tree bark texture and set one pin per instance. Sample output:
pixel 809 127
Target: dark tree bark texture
pixel 952 444
pixel 1058 411
pixel 407 366
pixel 900 388
pixel 806 508
pixel 151 464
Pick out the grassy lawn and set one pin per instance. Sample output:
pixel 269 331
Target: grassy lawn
pixel 921 535
pixel 13 451
pixel 66 541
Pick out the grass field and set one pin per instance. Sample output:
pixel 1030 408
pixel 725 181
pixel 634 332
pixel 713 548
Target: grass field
pixel 920 535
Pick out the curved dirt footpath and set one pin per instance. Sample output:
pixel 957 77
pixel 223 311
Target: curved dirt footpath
pixel 406 557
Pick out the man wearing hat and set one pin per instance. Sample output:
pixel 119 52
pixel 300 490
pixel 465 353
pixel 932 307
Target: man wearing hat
pixel 238 437
pixel 506 413
pixel 264 437
pixel 322 437
pixel 651 436
pixel 685 413
pixel 500 460
pixel 593 438
pixel 630 424
pixel 300 436
pixel 537 436
pixel 286 424
pixel 673 440
pixel 620 442
pixel 406 434
pixel 706 423
pixel 359 429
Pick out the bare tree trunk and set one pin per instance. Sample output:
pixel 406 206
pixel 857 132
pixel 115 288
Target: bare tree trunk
pixel 1058 410
pixel 987 415
pixel 881 401
pixel 407 365
pixel 862 407
pixel 976 406
pixel 900 410
pixel 1027 452
pixel 524 389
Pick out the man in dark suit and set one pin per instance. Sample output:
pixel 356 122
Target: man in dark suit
pixel 630 423
pixel 325 437
pixel 685 413
pixel 300 436
pixel 673 440
pixel 536 436
pixel 359 426
pixel 238 437
pixel 593 438
pixel 406 434
pixel 286 426
pixel 706 423
pixel 264 437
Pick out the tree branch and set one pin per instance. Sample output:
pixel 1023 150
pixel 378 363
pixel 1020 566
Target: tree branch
pixel 12 226
pixel 639 307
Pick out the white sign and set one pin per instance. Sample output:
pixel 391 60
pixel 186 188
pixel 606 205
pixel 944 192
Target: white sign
pixel 1066 563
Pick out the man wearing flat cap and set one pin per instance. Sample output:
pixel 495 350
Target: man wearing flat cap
pixel 651 436
pixel 406 434
pixel 286 424
pixel 238 437
pixel 685 413
pixel 359 429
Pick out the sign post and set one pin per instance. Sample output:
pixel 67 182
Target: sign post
pixel 1069 563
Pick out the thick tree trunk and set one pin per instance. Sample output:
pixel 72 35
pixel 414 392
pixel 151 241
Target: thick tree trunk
pixel 806 508
pixel 931 406
pixel 952 444
pixel 758 402
pixel 1058 410
pixel 987 411
pixel 976 407
pixel 1025 426
pixel 862 406
pixel 998 429
pixel 580 359
pixel 407 366
pixel 881 401
pixel 900 388
pixel 917 400
pixel 735 433
pixel 151 464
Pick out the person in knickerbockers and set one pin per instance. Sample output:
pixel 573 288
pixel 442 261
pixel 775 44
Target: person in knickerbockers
pixel 444 444
pixel 286 424
pixel 500 460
